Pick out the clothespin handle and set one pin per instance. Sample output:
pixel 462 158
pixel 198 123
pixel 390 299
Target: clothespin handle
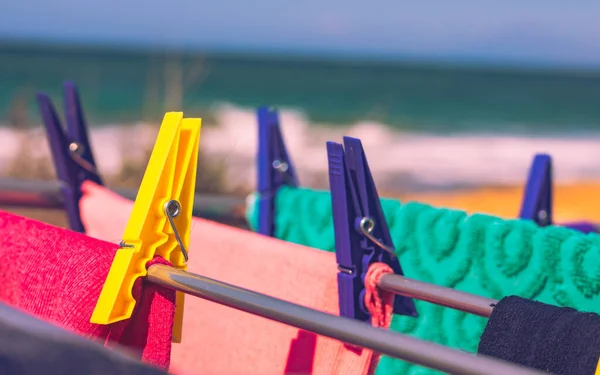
pixel 160 221
pixel 361 233
pixel 71 151
pixel 537 200
pixel 78 134
pixel 275 168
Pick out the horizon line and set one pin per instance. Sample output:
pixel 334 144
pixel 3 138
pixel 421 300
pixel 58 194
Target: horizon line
pixel 316 55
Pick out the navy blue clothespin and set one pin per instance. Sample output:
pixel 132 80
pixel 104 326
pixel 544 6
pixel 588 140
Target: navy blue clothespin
pixel 275 168
pixel 537 202
pixel 362 236
pixel 71 151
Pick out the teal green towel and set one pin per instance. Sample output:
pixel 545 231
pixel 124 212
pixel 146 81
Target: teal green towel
pixel 480 254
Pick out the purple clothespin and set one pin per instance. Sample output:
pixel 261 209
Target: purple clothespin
pixel 275 168
pixel 71 152
pixel 537 202
pixel 362 236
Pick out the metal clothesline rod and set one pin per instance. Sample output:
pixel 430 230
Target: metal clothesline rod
pixel 340 328
pixel 439 295
pixel 46 194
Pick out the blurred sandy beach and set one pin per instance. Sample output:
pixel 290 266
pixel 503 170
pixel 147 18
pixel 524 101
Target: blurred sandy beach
pixel 572 202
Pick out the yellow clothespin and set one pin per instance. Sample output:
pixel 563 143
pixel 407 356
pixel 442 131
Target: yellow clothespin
pixel 160 221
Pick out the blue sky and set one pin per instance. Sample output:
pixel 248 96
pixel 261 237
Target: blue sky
pixel 552 32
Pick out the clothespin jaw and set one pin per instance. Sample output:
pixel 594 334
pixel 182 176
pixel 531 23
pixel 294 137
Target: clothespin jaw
pixel 275 168
pixel 361 231
pixel 160 221
pixel 537 202
pixel 71 150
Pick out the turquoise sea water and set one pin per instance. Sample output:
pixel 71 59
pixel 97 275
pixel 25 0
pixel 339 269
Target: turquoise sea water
pixel 423 126
pixel 121 86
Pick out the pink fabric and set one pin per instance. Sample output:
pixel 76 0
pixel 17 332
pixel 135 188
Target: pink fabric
pixel 221 340
pixel 56 275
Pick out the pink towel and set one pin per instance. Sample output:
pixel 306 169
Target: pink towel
pixel 221 340
pixel 57 275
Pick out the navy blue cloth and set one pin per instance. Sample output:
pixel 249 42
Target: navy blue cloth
pixel 29 346
pixel 560 340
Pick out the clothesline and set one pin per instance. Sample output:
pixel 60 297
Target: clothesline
pixel 439 295
pixel 347 330
pixel 46 194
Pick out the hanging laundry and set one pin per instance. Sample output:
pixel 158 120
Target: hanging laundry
pixel 560 340
pixel 56 275
pixel 221 340
pixel 29 346
pixel 480 254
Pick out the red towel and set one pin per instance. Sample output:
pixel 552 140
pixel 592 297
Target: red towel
pixel 57 275
pixel 221 340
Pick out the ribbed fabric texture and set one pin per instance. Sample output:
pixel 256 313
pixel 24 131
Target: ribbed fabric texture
pixel 57 275
pixel 480 254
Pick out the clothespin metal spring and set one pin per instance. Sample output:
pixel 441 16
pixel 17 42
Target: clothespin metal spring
pixel 76 151
pixel 172 210
pixel 366 226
